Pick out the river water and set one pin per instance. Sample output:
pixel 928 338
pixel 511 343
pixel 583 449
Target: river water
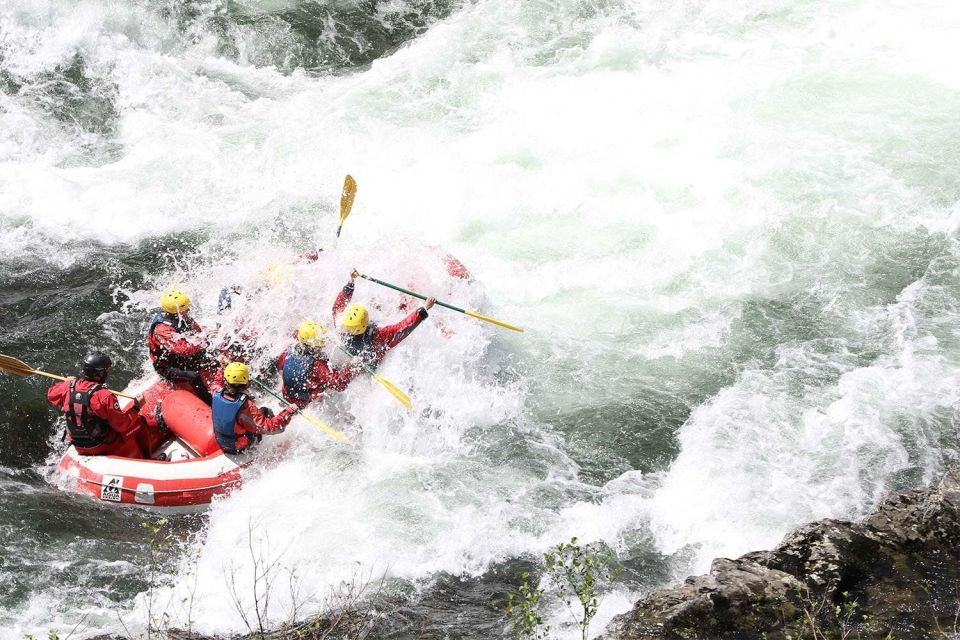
pixel 729 230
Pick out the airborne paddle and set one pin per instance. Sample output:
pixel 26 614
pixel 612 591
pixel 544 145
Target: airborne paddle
pixel 333 433
pixel 472 314
pixel 14 367
pixel 399 395
pixel 346 200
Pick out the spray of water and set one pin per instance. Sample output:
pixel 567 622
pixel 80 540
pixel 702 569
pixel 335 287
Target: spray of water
pixel 730 233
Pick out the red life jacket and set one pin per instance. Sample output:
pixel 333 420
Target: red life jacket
pixel 162 358
pixel 86 430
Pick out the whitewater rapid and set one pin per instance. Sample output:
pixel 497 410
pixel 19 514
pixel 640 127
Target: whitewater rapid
pixel 730 235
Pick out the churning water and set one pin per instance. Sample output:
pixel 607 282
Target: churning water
pixel 730 230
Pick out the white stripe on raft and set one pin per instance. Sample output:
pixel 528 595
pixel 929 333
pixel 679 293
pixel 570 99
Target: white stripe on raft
pixel 209 467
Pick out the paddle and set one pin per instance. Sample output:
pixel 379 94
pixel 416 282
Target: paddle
pixel 20 368
pixel 330 430
pixel 346 200
pixel 399 395
pixel 472 314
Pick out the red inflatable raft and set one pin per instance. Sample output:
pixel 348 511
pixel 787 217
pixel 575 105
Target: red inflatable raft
pixel 186 470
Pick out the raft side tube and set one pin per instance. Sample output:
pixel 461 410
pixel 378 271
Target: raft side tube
pixel 190 418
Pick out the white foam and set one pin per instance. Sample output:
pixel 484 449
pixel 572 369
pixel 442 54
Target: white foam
pixel 631 183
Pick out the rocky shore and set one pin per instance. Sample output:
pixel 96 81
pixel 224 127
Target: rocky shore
pixel 894 574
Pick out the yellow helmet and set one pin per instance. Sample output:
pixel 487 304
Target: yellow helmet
pixel 237 374
pixel 355 319
pixel 174 301
pixel 274 274
pixel 310 334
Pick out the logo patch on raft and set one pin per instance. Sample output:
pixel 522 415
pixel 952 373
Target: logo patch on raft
pixel 111 488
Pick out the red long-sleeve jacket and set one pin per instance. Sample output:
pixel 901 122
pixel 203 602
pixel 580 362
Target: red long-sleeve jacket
pixel 311 255
pixel 175 342
pixel 373 344
pixel 342 300
pixel 251 422
pixel 104 411
pixel 306 377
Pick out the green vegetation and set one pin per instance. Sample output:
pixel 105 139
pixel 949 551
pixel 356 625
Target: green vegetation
pixel 526 623
pixel 822 620
pixel 574 576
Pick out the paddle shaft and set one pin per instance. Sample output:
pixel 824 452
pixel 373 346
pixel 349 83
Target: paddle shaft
pixel 327 428
pixel 466 312
pixel 365 366
pixel 270 391
pixel 410 293
pixel 23 369
pixel 389 386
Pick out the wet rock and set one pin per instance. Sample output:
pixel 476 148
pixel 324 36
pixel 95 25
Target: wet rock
pixel 895 572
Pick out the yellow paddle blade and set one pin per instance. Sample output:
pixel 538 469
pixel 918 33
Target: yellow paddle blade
pixel 399 395
pixel 15 367
pixel 333 433
pixel 474 314
pixel 346 198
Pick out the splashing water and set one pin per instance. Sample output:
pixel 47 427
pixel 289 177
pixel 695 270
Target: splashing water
pixel 731 235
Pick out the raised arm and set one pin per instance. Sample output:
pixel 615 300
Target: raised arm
pixel 345 295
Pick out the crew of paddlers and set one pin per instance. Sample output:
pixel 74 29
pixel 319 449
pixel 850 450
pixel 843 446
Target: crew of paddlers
pixel 182 354
pixel 182 440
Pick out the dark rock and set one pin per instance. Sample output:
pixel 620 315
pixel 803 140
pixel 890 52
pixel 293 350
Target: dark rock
pixel 727 600
pixel 897 571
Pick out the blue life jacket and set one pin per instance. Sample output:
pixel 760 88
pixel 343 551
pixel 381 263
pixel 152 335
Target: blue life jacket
pixel 296 370
pixel 225 419
pixel 225 299
pixel 362 345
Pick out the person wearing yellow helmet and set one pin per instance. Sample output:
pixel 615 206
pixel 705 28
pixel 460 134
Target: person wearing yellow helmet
pixel 238 423
pixel 364 338
pixel 305 368
pixel 176 344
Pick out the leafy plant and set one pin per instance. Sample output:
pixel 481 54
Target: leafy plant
pixel 575 575
pixel 527 624
pixel 576 572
